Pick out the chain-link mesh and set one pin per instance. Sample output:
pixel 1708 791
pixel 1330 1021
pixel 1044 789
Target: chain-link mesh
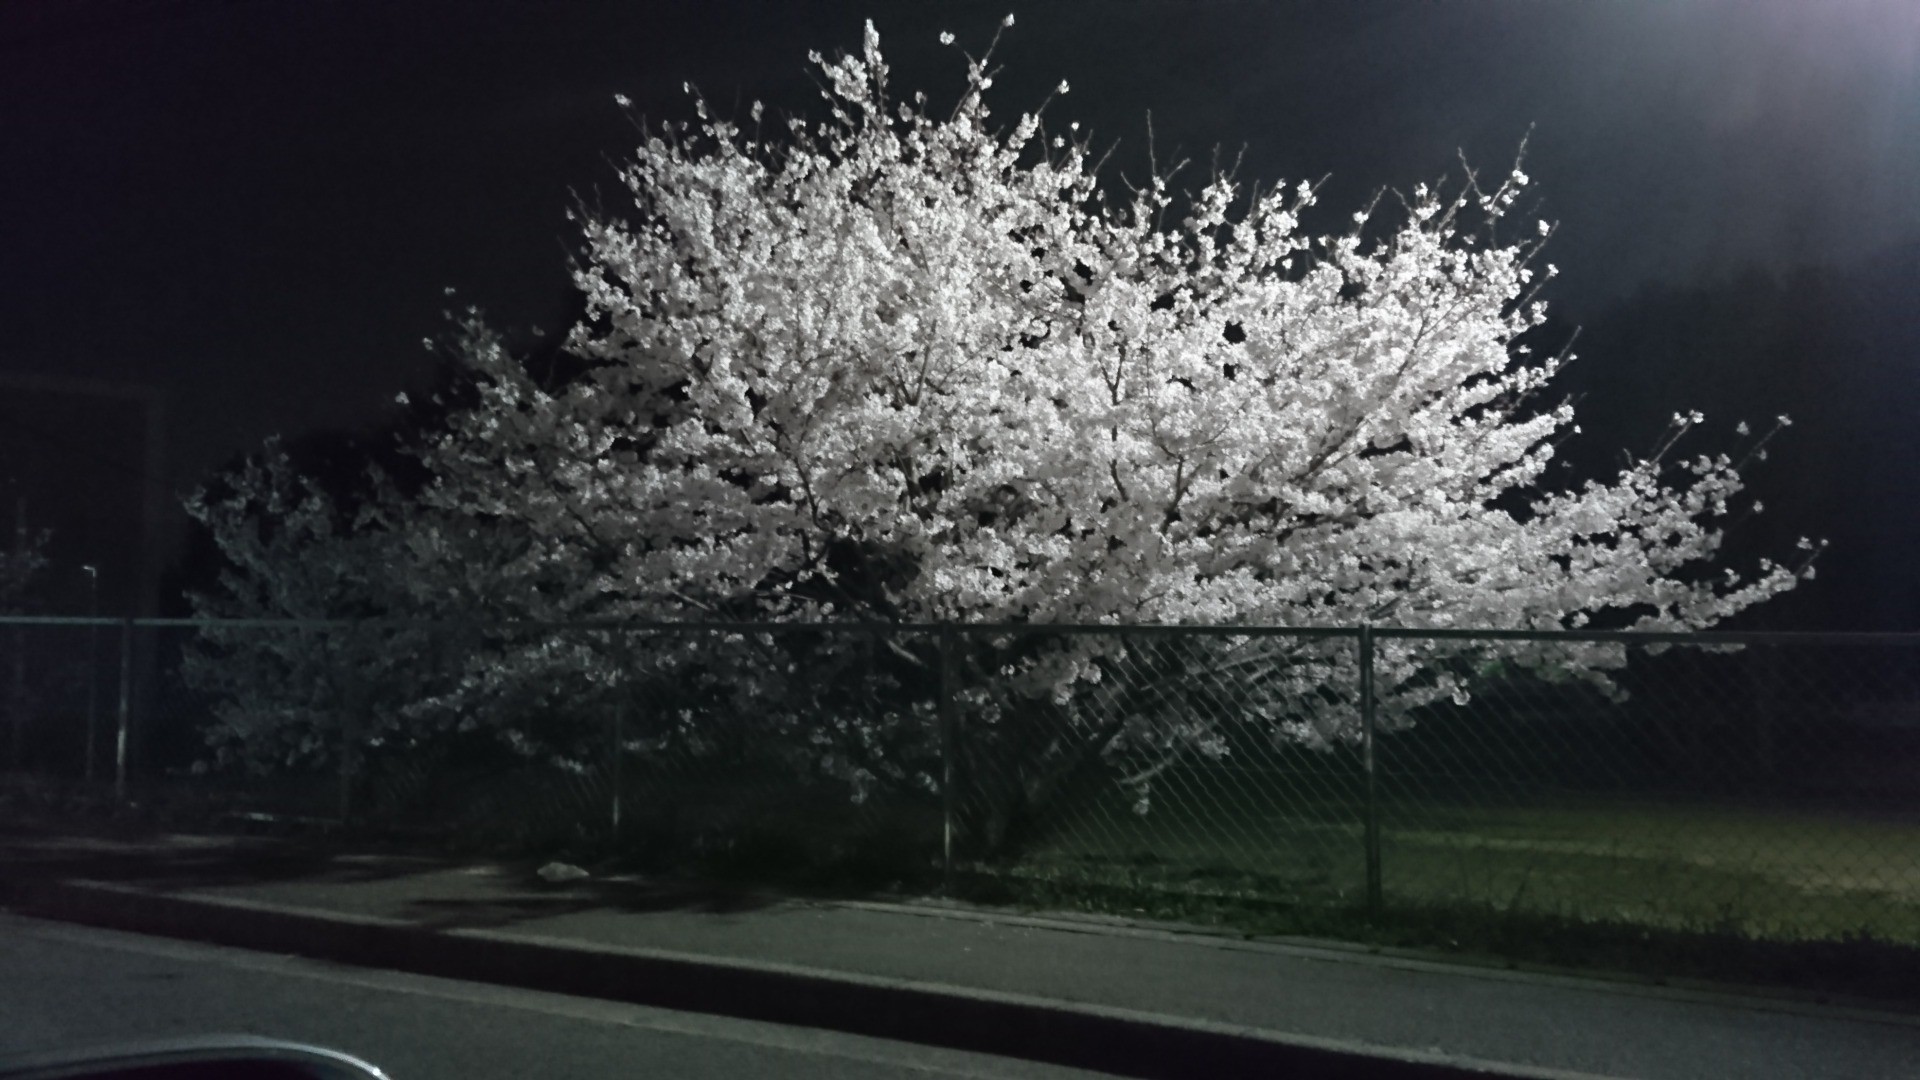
pixel 1187 761
pixel 46 677
pixel 1762 784
pixel 1771 790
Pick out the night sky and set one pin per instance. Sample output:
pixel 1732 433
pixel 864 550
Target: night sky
pixel 254 206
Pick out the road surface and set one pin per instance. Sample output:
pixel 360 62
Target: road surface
pixel 64 986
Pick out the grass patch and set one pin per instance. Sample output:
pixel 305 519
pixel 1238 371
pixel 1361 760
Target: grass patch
pixel 1673 889
pixel 1762 873
pixel 1851 966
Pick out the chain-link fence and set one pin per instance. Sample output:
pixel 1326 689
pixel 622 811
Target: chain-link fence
pixel 1767 784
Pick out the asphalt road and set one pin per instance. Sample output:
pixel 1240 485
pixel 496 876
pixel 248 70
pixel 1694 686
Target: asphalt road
pixel 64 986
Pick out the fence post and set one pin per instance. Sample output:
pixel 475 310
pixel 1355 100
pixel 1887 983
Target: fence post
pixel 619 741
pixel 17 701
pixel 348 737
pixel 17 697
pixel 126 708
pixel 1373 787
pixel 947 750
pixel 1765 671
pixel 352 723
pixel 93 702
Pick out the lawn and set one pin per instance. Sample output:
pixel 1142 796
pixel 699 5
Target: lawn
pixel 1769 874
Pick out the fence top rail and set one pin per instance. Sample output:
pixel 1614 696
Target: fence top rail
pixel 715 626
pixel 1634 637
pixel 1662 637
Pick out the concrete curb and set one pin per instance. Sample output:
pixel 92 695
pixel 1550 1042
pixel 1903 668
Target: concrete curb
pixel 1116 1041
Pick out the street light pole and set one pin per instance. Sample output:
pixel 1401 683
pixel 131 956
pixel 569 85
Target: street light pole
pixel 93 663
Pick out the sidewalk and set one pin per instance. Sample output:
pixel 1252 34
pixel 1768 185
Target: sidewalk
pixel 1130 1000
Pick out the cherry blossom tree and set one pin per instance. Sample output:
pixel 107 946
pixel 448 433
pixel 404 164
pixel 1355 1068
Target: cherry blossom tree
pixel 295 671
pixel 900 367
